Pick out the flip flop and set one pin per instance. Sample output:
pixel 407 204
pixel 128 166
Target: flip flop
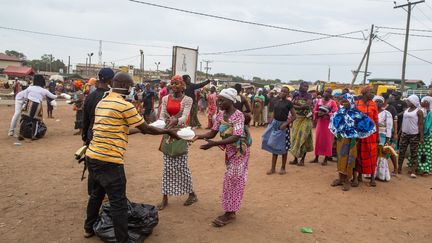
pixel 190 201
pixel 336 182
pixel 218 222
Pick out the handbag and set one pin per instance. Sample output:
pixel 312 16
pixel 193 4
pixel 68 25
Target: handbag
pixel 173 147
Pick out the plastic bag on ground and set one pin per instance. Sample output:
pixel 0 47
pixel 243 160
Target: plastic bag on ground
pixel 142 218
pixel 26 128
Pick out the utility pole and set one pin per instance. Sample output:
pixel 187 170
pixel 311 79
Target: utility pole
pixel 89 55
pixel 157 67
pixel 68 69
pixel 329 72
pixel 51 59
pixel 142 65
pixel 207 68
pixel 86 67
pixel 113 64
pixel 100 52
pixel 410 6
pixel 366 54
pixel 371 37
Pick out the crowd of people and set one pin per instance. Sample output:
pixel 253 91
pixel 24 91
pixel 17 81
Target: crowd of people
pixel 362 132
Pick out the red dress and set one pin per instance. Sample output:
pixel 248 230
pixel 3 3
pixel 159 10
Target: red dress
pixel 367 147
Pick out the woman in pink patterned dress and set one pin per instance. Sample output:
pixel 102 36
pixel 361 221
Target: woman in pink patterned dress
pixel 230 123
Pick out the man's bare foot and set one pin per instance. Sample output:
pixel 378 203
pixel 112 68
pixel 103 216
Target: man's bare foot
pixel 270 172
pixel 282 172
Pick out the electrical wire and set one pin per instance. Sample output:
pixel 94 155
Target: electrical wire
pixel 80 38
pixel 394 28
pixel 319 54
pixel 409 54
pixel 394 33
pixel 274 46
pixel 241 21
pixel 421 11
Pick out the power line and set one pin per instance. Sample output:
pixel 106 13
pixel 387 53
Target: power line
pixel 274 46
pixel 318 54
pixel 394 33
pixel 394 28
pixel 421 11
pixel 305 64
pixel 241 21
pixel 80 38
pixel 409 54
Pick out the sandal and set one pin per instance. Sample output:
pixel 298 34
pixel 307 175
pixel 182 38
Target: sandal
pixel 336 182
pixel 190 201
pixel 372 184
pixel 354 183
pixel 221 221
pixel 346 186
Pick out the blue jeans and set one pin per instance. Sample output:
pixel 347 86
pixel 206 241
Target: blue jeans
pixel 110 179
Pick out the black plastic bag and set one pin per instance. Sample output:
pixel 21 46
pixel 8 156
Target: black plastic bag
pixel 142 218
pixel 26 128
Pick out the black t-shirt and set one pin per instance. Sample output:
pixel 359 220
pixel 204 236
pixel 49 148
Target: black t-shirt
pixel 89 111
pixel 392 110
pixel 400 105
pixel 282 109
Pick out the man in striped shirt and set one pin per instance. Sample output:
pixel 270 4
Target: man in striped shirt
pixel 113 118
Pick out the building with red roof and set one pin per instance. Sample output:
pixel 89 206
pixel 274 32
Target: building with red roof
pixel 6 60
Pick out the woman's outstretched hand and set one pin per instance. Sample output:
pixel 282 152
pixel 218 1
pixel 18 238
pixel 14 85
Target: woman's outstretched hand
pixel 209 144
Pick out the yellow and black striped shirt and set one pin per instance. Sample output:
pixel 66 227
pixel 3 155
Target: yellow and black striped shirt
pixel 113 118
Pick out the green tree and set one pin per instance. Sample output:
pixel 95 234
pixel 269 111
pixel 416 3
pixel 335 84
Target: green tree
pixel 17 54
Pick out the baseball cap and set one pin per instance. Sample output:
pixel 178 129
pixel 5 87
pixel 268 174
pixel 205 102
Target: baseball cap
pixel 106 74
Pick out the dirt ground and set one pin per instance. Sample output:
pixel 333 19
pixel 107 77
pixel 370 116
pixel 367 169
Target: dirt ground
pixel 43 200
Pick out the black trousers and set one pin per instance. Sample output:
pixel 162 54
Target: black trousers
pixel 110 179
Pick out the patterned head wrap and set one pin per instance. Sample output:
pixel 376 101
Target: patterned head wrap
pixel 178 78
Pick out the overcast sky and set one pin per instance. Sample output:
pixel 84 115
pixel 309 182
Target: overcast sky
pixel 125 21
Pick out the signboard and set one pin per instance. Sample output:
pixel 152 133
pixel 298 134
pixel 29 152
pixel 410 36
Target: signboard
pixel 185 61
pixel 131 70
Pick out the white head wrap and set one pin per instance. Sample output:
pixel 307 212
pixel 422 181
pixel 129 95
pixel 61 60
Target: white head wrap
pixel 429 100
pixel 414 99
pixel 230 94
pixel 378 97
pixel 260 89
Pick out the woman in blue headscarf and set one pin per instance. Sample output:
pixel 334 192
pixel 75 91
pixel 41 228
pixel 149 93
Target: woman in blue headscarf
pixel 347 125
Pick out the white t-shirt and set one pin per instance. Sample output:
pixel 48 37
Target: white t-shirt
pixel 21 96
pixel 37 93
